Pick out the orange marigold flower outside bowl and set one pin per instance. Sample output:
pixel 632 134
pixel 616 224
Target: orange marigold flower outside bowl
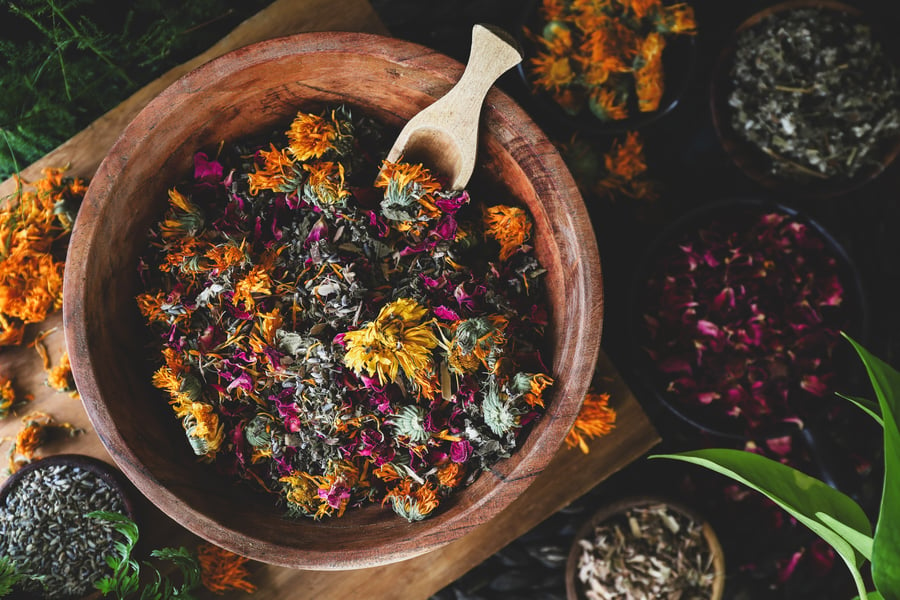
pixel 253 90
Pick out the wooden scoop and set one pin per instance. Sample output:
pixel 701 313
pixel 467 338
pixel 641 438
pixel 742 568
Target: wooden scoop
pixel 444 136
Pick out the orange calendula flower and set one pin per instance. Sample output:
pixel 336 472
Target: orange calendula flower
pixel 450 475
pixel 595 419
pixel 510 226
pixel 396 340
pixel 409 191
pixel 225 256
pixel 204 432
pixel 677 18
pixel 184 255
pixel 37 428
pixel 648 79
pixel 641 8
pixel 552 71
pixel 279 173
pixel 256 281
pixel 606 106
pixel 221 570
pixel 312 136
pixel 34 229
pixel 60 377
pixel 325 185
pixel 413 505
pixel 626 159
pixel 183 218
pixel 7 396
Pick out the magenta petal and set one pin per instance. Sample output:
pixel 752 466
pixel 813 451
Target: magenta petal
pixel 786 569
pixel 442 312
pixel 780 445
pixel 708 328
pixel 207 171
pixel 814 385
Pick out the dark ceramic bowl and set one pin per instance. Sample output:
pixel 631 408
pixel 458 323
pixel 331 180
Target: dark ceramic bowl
pixel 110 475
pixel 679 65
pixel 852 315
pixel 754 163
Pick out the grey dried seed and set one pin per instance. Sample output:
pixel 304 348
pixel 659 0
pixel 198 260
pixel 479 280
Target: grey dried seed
pixel 43 527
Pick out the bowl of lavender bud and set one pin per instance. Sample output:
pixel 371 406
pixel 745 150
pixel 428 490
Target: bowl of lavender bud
pixel 50 544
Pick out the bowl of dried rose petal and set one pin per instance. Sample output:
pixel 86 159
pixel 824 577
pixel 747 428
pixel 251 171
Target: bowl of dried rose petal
pixel 310 356
pixel 737 312
pixel 645 547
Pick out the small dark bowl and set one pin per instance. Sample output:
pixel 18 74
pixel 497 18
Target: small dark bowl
pixel 104 471
pixel 753 161
pixel 679 65
pixel 854 310
pixel 575 589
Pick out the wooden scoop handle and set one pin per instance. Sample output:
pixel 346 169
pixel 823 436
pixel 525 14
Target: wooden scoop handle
pixel 444 136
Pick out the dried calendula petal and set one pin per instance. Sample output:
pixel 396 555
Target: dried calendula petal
pixel 34 230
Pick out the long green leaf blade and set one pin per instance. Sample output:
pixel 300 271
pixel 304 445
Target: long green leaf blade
pixel 886 547
pixel 871 408
pixel 802 496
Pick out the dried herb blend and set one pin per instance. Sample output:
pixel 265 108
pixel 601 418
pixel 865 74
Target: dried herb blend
pixel 741 318
pixel 45 530
pixel 337 343
pixel 815 92
pixel 606 56
pixel 646 553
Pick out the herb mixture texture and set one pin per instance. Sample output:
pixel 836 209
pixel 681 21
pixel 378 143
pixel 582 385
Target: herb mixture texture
pixel 338 342
pixel 816 92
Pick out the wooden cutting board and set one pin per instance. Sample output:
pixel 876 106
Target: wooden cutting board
pixel 568 476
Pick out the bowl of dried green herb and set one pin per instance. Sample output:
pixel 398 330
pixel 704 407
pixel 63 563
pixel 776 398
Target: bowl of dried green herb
pixel 306 356
pixel 806 99
pixel 645 547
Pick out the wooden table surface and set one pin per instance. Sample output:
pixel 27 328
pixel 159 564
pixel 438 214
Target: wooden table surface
pixel 568 476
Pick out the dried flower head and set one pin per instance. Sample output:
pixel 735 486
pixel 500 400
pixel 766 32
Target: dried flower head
pixel 510 226
pixel 34 230
pixel 396 340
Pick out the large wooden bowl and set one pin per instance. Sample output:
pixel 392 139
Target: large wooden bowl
pixel 252 90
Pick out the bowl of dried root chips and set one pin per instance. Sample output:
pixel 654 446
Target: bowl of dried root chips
pixel 313 357
pixel 643 548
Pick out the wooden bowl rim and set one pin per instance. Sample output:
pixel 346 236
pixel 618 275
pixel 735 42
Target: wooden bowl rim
pixel 738 150
pixel 617 507
pixel 584 274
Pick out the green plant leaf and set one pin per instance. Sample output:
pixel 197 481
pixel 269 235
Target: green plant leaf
pixel 867 405
pixel 802 496
pixel 860 541
pixel 886 548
